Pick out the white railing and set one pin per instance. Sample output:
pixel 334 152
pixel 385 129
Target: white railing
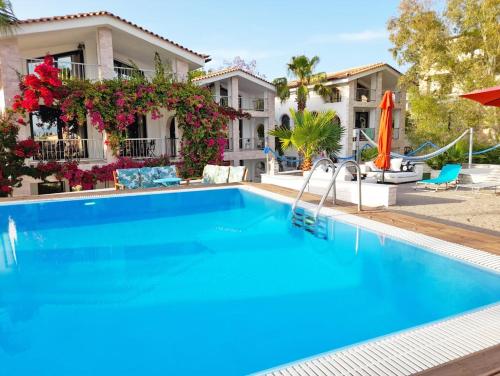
pixel 252 103
pixel 68 70
pixel 127 73
pixel 93 72
pixel 257 143
pixel 143 148
pixel 244 103
pixel 69 149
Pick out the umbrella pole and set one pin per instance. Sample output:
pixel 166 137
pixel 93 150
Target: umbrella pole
pixel 471 143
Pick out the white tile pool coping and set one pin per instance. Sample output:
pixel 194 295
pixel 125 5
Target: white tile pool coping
pixel 403 353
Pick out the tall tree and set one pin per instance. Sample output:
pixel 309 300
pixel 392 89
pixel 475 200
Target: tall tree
pixel 311 134
pixel 447 53
pixel 302 69
pixel 7 17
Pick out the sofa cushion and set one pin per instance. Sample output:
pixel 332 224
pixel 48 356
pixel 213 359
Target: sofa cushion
pixel 130 178
pixel 213 174
pixel 148 174
pixel 371 165
pixel 163 172
pixel 396 164
pixel 236 174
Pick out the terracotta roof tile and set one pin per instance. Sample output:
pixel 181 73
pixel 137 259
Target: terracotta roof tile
pixel 109 14
pixel 348 72
pixel 229 70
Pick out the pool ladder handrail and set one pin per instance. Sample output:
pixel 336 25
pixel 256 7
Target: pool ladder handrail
pixel 332 184
pixel 306 181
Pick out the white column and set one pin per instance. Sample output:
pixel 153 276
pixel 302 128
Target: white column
pixel 181 69
pixel 269 102
pixel 10 64
pixel 106 71
pixel 233 102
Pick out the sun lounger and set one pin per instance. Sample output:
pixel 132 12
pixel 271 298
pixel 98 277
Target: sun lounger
pixel 492 181
pixel 448 175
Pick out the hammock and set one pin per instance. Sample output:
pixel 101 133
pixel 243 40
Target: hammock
pixel 281 158
pixel 420 157
pixel 486 150
pixel 424 145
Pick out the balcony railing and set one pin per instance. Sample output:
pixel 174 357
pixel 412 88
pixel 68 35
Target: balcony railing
pixel 251 104
pixel 244 103
pixel 365 95
pixel 252 143
pixel 144 148
pixel 69 70
pixel 69 149
pixel 93 72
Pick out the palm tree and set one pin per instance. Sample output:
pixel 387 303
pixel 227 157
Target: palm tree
pixel 7 18
pixel 302 69
pixel 311 134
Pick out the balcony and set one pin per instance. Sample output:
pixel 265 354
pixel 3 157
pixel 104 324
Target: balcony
pixel 69 149
pixel 92 72
pixel 365 95
pixel 244 103
pixel 257 143
pixel 145 148
pixel 251 104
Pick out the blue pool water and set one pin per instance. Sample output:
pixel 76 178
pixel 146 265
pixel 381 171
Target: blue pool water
pixel 205 283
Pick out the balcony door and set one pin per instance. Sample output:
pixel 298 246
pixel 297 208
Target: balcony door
pixel 58 140
pixel 70 63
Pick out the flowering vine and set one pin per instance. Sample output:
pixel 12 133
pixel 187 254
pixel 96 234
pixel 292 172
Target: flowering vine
pixel 112 106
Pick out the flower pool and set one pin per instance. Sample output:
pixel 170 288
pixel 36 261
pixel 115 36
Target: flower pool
pixel 205 282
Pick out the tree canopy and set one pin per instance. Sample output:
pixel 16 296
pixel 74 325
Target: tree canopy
pixel 447 52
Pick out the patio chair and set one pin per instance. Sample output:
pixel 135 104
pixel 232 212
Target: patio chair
pixel 492 181
pixel 448 175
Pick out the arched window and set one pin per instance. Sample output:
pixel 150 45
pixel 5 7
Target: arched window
pixel 335 96
pixel 172 128
pixel 336 120
pixel 285 123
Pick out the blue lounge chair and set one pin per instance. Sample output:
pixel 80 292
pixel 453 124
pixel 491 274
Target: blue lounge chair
pixel 448 175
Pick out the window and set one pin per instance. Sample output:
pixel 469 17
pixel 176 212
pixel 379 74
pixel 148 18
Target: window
pixel 70 64
pixel 335 96
pixel 58 140
pixel 285 121
pixel 138 128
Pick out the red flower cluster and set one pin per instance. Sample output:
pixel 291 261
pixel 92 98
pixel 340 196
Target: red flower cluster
pixel 42 85
pixel 26 148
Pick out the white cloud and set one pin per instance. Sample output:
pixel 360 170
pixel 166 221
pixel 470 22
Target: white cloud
pixel 357 36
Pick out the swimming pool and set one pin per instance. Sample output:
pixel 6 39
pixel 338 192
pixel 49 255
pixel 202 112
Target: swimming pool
pixel 209 282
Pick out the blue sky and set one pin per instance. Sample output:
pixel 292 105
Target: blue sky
pixel 342 33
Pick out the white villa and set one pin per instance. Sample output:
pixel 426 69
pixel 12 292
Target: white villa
pixel 101 45
pixel 358 92
pixel 247 137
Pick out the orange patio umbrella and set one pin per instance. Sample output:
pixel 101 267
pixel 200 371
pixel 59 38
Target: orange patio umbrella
pixel 487 97
pixel 383 159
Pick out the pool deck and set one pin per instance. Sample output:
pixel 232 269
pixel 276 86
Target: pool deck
pixel 470 238
pixel 485 362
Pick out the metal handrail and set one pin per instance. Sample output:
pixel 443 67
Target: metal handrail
pixel 306 182
pixel 332 184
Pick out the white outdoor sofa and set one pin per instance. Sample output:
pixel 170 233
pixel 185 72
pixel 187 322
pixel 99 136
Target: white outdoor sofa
pixel 394 175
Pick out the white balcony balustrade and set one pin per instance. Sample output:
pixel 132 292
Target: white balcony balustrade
pixel 257 143
pixel 144 148
pixel 365 95
pixel 69 149
pixel 244 103
pixel 93 72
